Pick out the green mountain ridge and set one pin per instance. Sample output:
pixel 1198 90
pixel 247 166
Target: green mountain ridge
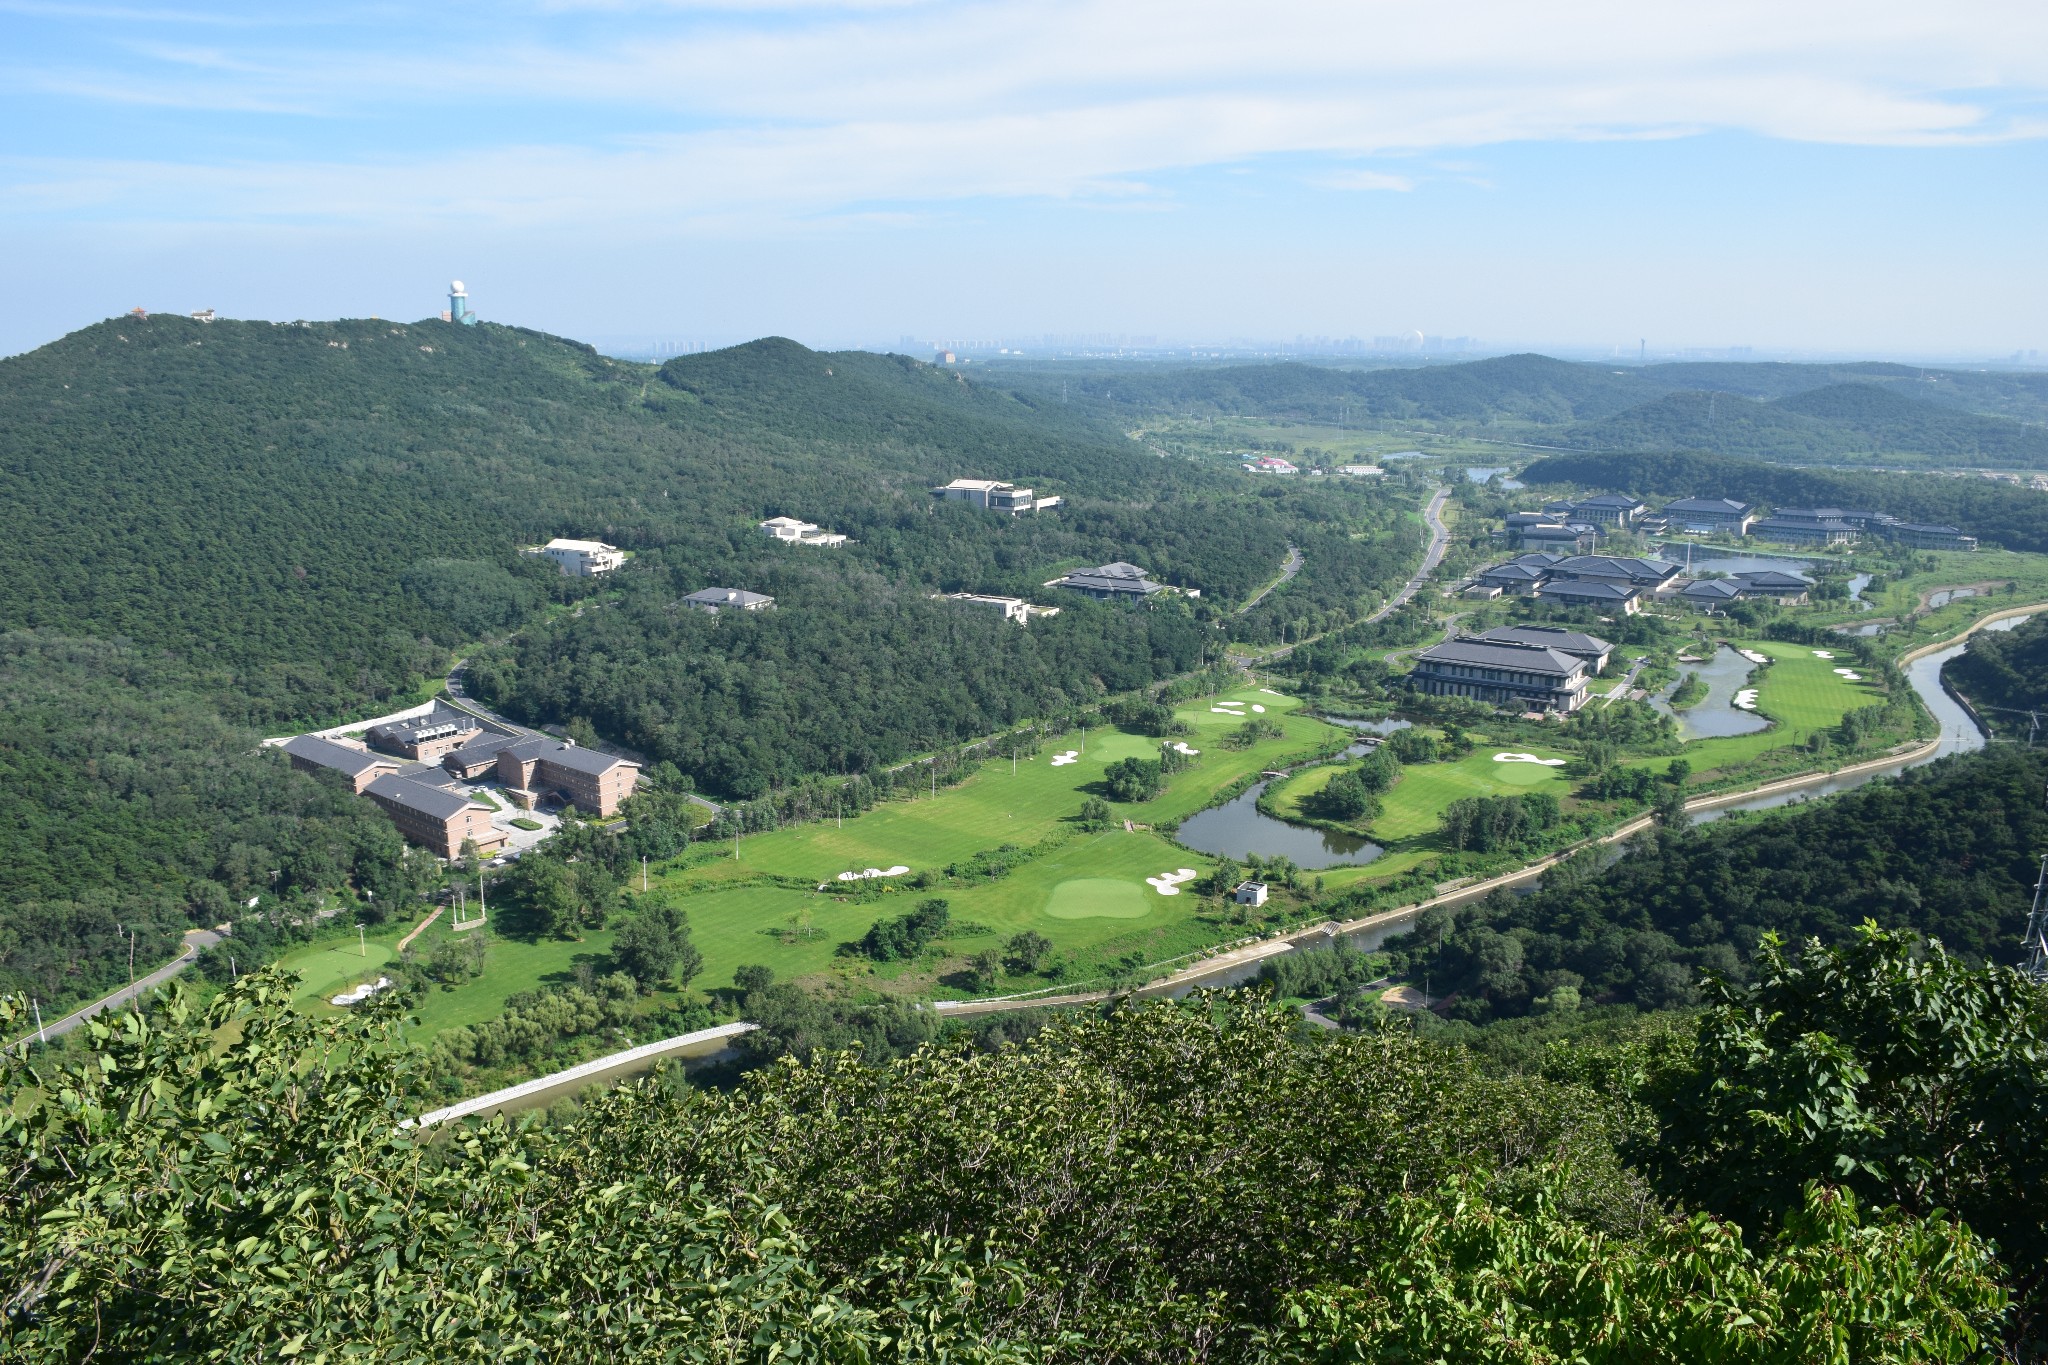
pixel 1836 422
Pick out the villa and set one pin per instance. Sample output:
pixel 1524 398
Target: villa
pixel 715 600
pixel 994 496
pixel 1013 608
pixel 799 532
pixel 1118 580
pixel 1705 516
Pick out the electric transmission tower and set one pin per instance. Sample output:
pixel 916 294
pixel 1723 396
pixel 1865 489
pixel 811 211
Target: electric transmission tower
pixel 2035 961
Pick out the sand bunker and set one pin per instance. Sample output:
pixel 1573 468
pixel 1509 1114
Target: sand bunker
pixel 895 871
pixel 1180 746
pixel 1753 656
pixel 1168 883
pixel 363 992
pixel 1528 758
pixel 1849 673
pixel 1823 654
pixel 1062 760
pixel 1745 700
pixel 1271 693
pixel 1258 708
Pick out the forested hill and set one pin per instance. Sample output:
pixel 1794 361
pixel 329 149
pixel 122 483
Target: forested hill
pixel 314 512
pixel 2005 673
pixel 2016 518
pixel 1837 422
pixel 1948 851
pixel 1532 388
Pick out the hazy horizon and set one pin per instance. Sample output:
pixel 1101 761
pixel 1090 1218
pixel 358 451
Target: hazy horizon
pixel 1843 180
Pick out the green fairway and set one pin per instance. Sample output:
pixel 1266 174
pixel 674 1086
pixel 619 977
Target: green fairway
pixel 1417 802
pixel 1088 895
pixel 1096 898
pixel 1797 691
pixel 326 969
pixel 510 966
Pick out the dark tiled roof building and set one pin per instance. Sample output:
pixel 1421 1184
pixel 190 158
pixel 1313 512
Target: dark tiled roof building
pixel 1531 677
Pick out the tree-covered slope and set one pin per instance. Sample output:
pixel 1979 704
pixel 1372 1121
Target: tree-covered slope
pixel 317 511
pixel 2009 393
pixel 1532 388
pixel 1845 421
pixel 129 805
pixel 2005 673
pixel 1948 851
pixel 2016 518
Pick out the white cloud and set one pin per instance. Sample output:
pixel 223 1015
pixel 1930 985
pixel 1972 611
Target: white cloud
pixel 705 114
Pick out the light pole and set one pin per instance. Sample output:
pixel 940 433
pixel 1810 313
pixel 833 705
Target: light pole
pixel 362 944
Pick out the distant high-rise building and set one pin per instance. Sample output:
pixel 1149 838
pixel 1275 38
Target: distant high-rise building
pixel 458 305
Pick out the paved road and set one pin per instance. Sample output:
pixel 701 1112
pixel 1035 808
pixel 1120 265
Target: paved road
pixel 195 939
pixel 1628 680
pixel 1439 541
pixel 1287 571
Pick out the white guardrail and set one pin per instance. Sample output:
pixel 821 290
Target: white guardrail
pixel 596 1067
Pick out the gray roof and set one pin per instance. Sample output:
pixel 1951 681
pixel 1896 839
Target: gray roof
pixel 1719 589
pixel 405 731
pixel 1611 500
pixel 1773 578
pixel 1636 570
pixel 533 746
pixel 1811 513
pixel 1553 637
pixel 1520 573
pixel 581 760
pixel 1596 589
pixel 328 754
pixel 1726 507
pixel 1525 658
pixel 1925 529
pixel 1117 577
pixel 485 746
pixel 727 597
pixel 438 802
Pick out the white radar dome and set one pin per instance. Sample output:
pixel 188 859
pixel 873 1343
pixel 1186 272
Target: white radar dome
pixel 455 287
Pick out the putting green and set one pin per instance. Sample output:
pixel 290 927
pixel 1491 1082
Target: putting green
pixel 1522 774
pixel 326 969
pixel 1096 898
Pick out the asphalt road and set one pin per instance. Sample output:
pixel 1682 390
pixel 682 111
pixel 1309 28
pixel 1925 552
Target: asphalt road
pixel 1287 571
pixel 1439 541
pixel 195 939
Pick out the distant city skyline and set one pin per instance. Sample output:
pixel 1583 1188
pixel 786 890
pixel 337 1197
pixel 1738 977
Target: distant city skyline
pixel 1822 179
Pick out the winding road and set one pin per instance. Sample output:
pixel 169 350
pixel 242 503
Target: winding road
pixel 195 939
pixel 1287 571
pixel 1439 542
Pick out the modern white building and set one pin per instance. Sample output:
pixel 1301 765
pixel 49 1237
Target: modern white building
pixel 581 558
pixel 1251 893
pixel 994 495
pixel 1013 608
pixel 799 532
pixel 715 600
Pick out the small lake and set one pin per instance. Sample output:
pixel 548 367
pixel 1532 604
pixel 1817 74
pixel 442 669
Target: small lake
pixel 1715 715
pixel 1239 827
pixel 1948 595
pixel 1707 560
pixel 1856 586
pixel 1371 727
pixel 1481 473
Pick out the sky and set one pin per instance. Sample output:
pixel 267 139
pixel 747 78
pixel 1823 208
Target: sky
pixel 1796 175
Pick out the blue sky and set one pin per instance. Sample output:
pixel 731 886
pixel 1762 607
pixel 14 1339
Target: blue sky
pixel 1864 177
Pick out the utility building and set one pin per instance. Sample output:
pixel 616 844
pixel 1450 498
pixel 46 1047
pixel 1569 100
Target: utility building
pixel 580 558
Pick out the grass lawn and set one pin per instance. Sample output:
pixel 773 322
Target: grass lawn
pixel 326 969
pixel 1799 692
pixel 1416 804
pixel 510 966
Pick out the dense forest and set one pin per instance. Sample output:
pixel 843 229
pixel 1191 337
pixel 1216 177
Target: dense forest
pixel 1839 422
pixel 131 806
pixel 1194 1181
pixel 1948 851
pixel 1998 513
pixel 2004 673
pixel 313 514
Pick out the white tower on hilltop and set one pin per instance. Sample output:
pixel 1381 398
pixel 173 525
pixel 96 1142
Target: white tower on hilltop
pixel 458 305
